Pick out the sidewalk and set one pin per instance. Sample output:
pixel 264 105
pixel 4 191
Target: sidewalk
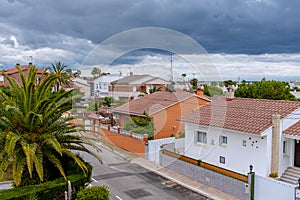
pixel 173 176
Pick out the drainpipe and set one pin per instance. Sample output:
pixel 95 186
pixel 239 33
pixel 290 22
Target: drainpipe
pixel 275 143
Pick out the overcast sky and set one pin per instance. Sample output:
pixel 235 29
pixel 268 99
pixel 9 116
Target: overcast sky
pixel 246 38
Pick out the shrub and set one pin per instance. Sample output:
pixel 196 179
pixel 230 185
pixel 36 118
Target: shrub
pixel 93 193
pixel 48 190
pixel 273 175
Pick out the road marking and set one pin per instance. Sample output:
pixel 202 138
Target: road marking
pixel 94 180
pixel 118 197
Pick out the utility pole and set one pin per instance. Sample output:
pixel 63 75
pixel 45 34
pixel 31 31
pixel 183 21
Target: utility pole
pixel 172 67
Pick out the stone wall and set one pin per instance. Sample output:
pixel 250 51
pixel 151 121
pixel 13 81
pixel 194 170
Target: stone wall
pixel 210 178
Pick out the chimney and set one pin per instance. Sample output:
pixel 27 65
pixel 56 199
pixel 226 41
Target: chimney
pixel 230 93
pixel 30 64
pixel 199 91
pixel 275 143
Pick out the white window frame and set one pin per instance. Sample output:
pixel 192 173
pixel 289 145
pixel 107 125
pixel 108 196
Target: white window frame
pixel 223 140
pixel 202 139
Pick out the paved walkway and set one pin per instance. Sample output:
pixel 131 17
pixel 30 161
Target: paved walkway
pixel 173 176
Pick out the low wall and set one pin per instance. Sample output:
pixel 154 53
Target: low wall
pixel 226 184
pixel 267 188
pixel 127 142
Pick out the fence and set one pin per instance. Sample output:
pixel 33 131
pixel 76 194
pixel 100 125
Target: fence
pixel 227 181
pixel 267 188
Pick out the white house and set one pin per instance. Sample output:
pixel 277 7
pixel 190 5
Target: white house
pixel 235 133
pixel 102 83
pixel 83 85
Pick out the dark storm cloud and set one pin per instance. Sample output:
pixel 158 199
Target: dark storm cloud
pixel 245 26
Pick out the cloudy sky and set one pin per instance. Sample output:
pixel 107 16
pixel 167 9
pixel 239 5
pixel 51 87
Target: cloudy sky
pixel 249 39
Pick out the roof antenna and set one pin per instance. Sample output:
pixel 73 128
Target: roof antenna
pixel 30 59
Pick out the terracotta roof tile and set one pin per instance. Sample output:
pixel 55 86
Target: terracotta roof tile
pixel 241 114
pixel 293 130
pixel 153 102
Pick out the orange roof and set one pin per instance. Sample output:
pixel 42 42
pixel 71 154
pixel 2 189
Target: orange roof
pixel 241 114
pixel 154 102
pixel 293 130
pixel 23 68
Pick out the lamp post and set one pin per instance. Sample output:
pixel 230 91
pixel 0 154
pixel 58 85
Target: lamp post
pixel 251 168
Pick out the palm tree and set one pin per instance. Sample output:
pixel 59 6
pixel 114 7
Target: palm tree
pixel 34 137
pixel 63 74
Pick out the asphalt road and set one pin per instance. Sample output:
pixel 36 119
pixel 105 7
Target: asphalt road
pixel 128 181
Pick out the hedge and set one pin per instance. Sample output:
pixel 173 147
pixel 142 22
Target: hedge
pixel 50 189
pixel 93 193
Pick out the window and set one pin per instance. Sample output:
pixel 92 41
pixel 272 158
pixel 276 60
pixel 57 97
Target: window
pixel 244 143
pixel 223 140
pixel 284 147
pixel 201 137
pixel 222 159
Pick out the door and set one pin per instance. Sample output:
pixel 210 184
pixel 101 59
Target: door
pixel 297 154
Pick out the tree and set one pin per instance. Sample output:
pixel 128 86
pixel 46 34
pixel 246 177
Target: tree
pixel 108 101
pixel 183 76
pixel 264 89
pixel 34 137
pixel 229 82
pixel 63 74
pixel 77 74
pixel 212 91
pixel 96 72
pixel 194 83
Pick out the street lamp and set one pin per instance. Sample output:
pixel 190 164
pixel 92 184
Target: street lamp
pixel 251 168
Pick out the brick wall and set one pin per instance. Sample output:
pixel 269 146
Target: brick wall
pixel 221 182
pixel 126 142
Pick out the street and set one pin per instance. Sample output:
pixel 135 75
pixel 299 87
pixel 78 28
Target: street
pixel 128 181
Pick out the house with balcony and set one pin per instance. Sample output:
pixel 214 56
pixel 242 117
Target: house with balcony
pixel 234 133
pixel 164 107
pixel 130 87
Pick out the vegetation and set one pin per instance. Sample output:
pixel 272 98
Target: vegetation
pixel 63 74
pixel 96 72
pixel 93 193
pixel 229 82
pixel 49 190
pixel 151 91
pixel 35 139
pixel 264 89
pixel 194 83
pixel 108 101
pixel 212 91
pixel 181 134
pixel 140 125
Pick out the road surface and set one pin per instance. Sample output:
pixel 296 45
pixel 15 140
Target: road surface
pixel 128 181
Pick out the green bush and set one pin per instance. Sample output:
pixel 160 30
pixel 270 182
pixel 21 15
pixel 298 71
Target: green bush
pixel 93 193
pixel 48 190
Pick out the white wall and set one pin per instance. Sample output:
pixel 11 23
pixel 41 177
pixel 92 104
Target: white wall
pixel 154 147
pixel 237 157
pixel 267 188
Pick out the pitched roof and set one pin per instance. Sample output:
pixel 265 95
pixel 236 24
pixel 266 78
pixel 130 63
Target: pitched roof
pixel 132 78
pixel 293 130
pixel 241 114
pixel 153 103
pixel 23 68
